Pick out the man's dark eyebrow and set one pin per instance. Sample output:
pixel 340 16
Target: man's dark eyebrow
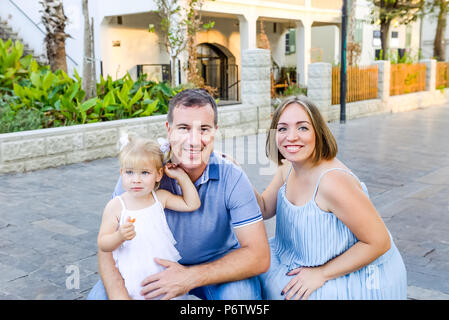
pixel 187 125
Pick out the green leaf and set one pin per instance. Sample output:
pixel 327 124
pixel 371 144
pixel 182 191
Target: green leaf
pixel 48 81
pixel 18 91
pixel 136 97
pixel 137 112
pixel 35 78
pixel 85 106
pixel 123 96
pixel 151 107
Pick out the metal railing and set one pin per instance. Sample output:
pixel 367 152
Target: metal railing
pixel 157 72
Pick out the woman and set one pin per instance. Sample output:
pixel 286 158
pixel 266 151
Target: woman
pixel 330 242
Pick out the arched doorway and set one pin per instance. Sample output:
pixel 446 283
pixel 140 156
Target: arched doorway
pixel 219 70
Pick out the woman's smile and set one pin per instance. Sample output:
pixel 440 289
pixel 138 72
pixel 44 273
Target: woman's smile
pixel 293 148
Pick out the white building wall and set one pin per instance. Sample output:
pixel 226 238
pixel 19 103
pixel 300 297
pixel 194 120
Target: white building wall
pixel 137 44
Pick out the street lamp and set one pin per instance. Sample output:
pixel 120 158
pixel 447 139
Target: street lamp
pixel 344 19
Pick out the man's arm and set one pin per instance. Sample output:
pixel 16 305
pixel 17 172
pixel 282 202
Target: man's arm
pixel 251 259
pixel 111 277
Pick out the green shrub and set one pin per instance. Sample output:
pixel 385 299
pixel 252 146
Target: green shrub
pixel 19 120
pixel 294 90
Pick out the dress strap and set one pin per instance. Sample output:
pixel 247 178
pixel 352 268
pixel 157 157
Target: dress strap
pixel 122 202
pixel 154 196
pixel 288 174
pixel 326 171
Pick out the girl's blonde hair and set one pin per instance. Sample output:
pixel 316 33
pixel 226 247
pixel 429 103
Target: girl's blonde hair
pixel 141 152
pixel 325 143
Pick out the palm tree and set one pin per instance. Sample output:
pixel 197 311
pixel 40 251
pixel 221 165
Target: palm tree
pixel 54 20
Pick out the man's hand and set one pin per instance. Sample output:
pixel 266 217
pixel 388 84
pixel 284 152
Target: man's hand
pixel 176 280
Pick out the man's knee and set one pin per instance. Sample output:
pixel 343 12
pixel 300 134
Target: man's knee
pixel 98 292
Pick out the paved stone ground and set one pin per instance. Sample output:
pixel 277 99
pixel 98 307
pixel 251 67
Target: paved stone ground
pixel 49 219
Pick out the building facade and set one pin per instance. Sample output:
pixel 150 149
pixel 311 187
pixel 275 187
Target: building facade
pixel 299 32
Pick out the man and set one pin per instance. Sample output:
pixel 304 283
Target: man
pixel 223 244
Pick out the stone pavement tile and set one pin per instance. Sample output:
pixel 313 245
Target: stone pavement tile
pixel 438 194
pixel 440 176
pixel 9 274
pixel 20 213
pixel 410 211
pixel 35 289
pixel 388 198
pixel 7 296
pixel 417 293
pixel 85 242
pixel 26 264
pixel 57 226
pixel 422 276
pixel 63 253
pixel 88 265
pixel 411 248
pixel 59 274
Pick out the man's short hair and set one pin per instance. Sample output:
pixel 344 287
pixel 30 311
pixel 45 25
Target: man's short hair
pixel 192 98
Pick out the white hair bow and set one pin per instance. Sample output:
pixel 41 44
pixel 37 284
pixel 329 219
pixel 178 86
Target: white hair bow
pixel 164 145
pixel 124 140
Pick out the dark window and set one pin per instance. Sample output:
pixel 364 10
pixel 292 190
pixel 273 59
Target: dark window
pixel 290 38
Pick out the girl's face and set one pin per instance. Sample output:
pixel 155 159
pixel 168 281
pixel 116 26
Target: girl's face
pixel 139 182
pixel 295 136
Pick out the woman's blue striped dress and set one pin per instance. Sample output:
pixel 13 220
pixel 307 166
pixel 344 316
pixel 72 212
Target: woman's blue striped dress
pixel 308 236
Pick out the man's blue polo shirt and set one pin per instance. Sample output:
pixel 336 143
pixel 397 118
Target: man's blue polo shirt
pixel 227 202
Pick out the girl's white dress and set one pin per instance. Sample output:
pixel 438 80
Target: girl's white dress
pixel 135 258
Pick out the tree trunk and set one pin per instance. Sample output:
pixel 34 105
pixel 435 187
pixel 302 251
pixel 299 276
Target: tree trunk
pixel 385 38
pixel 56 52
pixel 54 20
pixel 87 60
pixel 173 68
pixel 439 45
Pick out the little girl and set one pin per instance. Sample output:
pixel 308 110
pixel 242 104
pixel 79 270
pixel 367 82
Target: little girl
pixel 134 227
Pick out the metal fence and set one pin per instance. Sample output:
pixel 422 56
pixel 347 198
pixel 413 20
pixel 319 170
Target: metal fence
pixel 155 72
